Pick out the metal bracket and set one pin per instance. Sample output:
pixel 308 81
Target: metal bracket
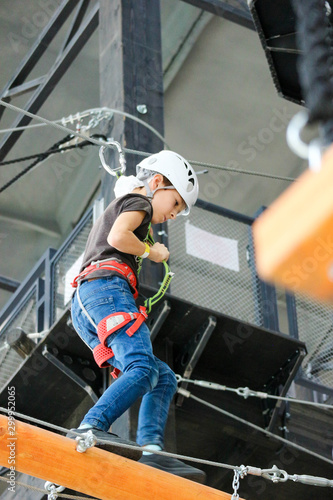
pixel 291 369
pixel 157 317
pixel 192 352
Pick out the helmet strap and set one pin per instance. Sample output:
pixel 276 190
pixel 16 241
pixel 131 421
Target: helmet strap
pixel 150 193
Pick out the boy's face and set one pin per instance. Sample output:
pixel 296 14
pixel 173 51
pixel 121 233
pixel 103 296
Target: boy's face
pixel 167 203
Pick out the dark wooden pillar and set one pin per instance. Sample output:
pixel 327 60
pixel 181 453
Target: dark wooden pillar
pixel 131 75
pixel 131 78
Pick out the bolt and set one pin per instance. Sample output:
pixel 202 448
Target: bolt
pixel 142 109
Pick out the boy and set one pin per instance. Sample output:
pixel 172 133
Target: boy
pixel 165 186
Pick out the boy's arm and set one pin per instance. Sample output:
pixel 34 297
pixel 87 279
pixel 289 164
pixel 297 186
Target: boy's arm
pixel 123 238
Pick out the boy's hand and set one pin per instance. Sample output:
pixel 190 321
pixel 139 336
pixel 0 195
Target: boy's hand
pixel 158 252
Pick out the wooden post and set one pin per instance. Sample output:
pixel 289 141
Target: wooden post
pixel 96 473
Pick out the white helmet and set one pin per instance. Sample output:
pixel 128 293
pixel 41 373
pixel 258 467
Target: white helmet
pixel 177 170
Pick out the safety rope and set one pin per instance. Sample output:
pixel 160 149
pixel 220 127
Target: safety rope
pixel 245 392
pixel 102 110
pixel 56 148
pixel 140 153
pixel 188 394
pixel 168 275
pixel 221 167
pixel 40 157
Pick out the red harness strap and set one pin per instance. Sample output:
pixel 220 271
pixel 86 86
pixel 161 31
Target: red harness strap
pixel 110 265
pixel 110 324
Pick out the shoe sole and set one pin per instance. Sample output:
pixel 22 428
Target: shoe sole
pixel 198 478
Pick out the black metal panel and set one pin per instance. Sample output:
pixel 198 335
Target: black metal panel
pixel 275 23
pixel 237 353
pixel 235 11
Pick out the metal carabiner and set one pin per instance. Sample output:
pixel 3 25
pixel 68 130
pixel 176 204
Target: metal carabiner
pixel 117 170
pixel 311 151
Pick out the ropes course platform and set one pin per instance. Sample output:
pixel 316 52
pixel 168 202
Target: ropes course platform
pixel 58 381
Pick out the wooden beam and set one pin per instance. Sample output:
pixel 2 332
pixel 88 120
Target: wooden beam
pixel 97 473
pixel 293 238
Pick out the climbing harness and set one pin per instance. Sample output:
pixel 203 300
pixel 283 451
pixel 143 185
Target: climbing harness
pixel 109 265
pixel 108 325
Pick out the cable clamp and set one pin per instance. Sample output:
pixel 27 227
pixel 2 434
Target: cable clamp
pixel 87 440
pixel 183 392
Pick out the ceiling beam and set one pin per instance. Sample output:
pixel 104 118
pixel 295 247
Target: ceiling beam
pixel 239 15
pixel 55 73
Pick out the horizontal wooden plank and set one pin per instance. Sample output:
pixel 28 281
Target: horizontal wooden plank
pixel 97 473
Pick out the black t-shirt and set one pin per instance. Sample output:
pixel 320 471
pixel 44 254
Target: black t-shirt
pixel 97 247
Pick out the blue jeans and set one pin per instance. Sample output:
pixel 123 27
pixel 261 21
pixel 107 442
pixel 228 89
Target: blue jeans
pixel 142 373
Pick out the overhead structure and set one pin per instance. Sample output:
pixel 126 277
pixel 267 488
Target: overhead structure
pixel 275 23
pixel 293 236
pixel 233 10
pixel 80 30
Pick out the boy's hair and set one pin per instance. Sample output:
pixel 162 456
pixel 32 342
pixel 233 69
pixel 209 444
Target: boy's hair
pixel 166 181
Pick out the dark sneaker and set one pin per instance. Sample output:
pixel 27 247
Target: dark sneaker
pixel 112 444
pixel 174 466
